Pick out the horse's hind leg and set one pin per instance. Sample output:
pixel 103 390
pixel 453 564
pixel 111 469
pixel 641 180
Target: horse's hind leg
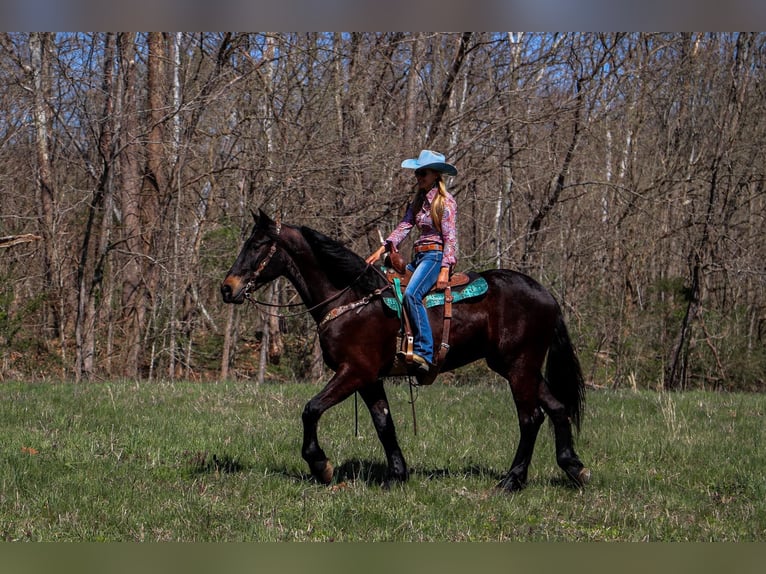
pixel 374 397
pixel 530 418
pixel 566 457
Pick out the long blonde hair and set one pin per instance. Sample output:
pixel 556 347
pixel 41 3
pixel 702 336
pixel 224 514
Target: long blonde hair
pixel 437 207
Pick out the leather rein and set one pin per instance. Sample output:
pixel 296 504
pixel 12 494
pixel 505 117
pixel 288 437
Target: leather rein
pixel 332 314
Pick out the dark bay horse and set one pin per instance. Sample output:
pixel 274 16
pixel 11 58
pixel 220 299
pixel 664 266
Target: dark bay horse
pixel 513 326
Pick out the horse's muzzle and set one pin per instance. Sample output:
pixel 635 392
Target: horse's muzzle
pixel 233 290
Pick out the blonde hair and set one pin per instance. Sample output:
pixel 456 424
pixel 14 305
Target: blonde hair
pixel 437 207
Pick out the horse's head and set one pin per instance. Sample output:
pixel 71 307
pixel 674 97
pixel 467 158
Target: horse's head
pixel 253 267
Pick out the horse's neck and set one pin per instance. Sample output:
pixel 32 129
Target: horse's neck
pixel 306 275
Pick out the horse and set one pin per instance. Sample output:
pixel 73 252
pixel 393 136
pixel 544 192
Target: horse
pixel 513 326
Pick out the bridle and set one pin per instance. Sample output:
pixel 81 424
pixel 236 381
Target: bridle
pixel 333 312
pixel 266 260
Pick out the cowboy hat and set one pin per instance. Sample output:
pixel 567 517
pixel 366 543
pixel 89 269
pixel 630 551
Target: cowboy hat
pixel 430 160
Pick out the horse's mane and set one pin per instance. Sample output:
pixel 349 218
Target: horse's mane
pixel 343 266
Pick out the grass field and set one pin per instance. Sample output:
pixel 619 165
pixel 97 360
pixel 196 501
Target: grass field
pixel 129 461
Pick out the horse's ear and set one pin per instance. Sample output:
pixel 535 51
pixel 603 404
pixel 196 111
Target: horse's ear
pixel 265 223
pixel 261 219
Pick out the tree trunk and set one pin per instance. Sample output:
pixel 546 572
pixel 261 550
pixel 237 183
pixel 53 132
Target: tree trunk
pixel 133 284
pixel 414 89
pixel 449 83
pixel 273 334
pixel 94 249
pixel 40 46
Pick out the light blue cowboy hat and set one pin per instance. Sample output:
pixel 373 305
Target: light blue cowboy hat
pixel 430 160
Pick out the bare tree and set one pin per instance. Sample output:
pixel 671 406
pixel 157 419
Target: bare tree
pixel 40 45
pixel 95 240
pixel 133 239
pixel 625 171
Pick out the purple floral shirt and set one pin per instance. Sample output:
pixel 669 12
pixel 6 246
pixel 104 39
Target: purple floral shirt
pixel 428 232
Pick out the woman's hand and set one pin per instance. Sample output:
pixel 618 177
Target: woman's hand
pixel 372 259
pixel 443 280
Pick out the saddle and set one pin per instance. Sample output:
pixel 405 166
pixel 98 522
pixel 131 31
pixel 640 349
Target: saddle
pixel 398 275
pixel 395 269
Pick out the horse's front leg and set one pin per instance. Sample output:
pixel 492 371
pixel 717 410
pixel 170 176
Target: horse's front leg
pixel 374 397
pixel 340 387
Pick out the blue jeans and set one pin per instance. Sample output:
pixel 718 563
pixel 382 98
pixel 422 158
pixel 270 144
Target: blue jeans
pixel 426 267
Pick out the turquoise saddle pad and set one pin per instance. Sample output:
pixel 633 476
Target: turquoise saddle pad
pixel 473 289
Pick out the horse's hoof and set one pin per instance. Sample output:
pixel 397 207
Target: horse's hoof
pixel 510 484
pixel 581 477
pixel 322 471
pixel 326 473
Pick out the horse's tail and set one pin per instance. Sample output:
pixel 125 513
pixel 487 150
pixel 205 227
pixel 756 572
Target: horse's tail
pixel 563 373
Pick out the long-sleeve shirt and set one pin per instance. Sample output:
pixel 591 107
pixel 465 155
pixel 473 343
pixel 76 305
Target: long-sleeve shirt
pixel 428 231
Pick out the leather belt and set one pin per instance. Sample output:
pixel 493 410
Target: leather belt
pixel 428 247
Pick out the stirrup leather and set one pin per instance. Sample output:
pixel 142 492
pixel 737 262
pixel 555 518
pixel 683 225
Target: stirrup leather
pixel 405 342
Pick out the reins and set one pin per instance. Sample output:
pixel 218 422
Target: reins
pixel 332 314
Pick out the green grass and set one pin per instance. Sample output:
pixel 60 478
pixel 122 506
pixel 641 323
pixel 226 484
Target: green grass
pixel 126 461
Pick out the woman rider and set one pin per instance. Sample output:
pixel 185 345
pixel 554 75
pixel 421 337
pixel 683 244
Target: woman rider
pixel 434 213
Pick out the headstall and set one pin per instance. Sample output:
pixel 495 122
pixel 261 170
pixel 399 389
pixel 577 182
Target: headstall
pixel 264 262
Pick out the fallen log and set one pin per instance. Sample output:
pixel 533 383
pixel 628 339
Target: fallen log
pixel 10 240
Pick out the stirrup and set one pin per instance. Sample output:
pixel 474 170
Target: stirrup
pixel 414 360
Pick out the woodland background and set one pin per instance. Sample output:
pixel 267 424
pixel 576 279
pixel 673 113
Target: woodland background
pixel 625 172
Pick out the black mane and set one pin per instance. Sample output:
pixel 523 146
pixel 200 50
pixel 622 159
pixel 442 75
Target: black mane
pixel 342 265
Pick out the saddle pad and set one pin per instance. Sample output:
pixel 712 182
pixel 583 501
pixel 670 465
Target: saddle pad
pixel 475 288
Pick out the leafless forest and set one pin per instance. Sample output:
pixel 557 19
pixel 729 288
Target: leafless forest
pixel 625 172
